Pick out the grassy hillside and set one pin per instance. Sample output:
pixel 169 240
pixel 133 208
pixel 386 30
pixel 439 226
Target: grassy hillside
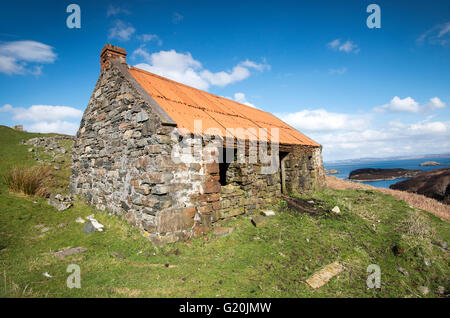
pixel 272 261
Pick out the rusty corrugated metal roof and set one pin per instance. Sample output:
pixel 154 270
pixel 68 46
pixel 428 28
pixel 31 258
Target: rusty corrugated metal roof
pixel 185 104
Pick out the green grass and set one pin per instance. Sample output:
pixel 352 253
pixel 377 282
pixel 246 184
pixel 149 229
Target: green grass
pixel 273 261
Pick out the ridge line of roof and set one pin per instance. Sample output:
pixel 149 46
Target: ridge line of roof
pixel 197 89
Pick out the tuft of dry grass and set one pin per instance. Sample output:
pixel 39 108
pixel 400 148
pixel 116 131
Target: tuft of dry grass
pixel 417 225
pixel 29 181
pixel 416 200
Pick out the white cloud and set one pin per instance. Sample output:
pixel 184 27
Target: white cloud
pixel 436 127
pixel 177 18
pixel 435 103
pixel 46 118
pixel 182 67
pixel 45 112
pixel 6 108
pixel 113 10
pixel 259 67
pixel 322 120
pixel 399 105
pixel 121 31
pixel 238 73
pixel 409 105
pixel 347 46
pixel 177 66
pixel 240 98
pixel 345 136
pixel 334 44
pixel 15 57
pixel 60 127
pixel 9 65
pixel 439 34
pixel 396 138
pixel 149 37
pixel 338 71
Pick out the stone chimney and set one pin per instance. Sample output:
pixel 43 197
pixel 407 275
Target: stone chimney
pixel 111 52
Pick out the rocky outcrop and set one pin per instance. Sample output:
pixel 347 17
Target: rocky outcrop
pixel 433 184
pixel 331 171
pixel 61 202
pixel 50 144
pixel 375 174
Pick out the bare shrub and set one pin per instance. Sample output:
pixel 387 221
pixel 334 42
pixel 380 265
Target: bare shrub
pixel 29 181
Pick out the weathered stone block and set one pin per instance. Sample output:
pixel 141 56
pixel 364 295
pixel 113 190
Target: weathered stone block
pixel 259 221
pixel 200 230
pixel 156 177
pixel 149 201
pixel 174 220
pixel 160 189
pixel 141 116
pixel 211 186
pixel 153 149
pixel 222 231
pixel 212 168
pixel 127 134
pixel 143 189
pixel 205 208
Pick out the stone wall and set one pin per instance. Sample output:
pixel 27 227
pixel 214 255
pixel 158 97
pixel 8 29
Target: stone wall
pixel 304 170
pixel 247 189
pixel 123 163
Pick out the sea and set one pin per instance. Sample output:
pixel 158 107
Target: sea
pixel 345 168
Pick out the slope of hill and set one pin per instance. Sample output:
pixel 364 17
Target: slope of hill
pixel 272 261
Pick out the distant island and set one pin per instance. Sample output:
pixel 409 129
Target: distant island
pixel 434 184
pixel 375 174
pixel 331 171
pixel 429 163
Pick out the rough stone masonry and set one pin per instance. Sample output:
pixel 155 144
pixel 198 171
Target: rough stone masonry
pixel 122 163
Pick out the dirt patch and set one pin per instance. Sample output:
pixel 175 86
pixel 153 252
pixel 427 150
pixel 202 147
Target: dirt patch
pixel 312 207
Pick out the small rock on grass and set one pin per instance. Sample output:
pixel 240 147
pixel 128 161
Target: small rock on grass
pixel 259 221
pixel 403 271
pixel 268 213
pixel 92 225
pixel 423 290
pixel 222 231
pixel 427 262
pixel 321 277
pixel 80 220
pixel 440 290
pixel 336 210
pixel 69 251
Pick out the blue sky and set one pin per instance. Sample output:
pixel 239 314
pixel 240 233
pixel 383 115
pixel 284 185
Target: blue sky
pixel 360 92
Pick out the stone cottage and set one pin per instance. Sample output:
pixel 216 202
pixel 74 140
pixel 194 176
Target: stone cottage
pixel 127 158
